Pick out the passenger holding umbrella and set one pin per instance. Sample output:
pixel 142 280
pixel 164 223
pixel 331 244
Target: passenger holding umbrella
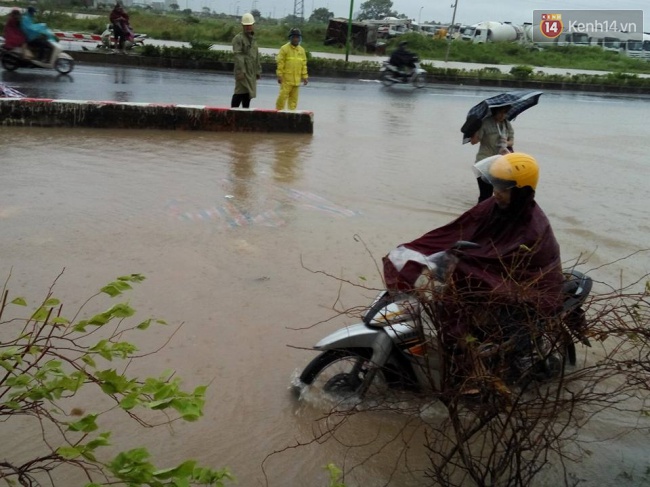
pixel 496 136
pixel 488 124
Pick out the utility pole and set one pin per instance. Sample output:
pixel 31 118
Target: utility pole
pixel 453 20
pixel 348 39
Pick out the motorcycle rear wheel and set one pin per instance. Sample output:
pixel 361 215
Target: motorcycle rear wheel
pixel 10 63
pixel 63 65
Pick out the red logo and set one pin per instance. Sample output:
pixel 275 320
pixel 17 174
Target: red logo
pixel 551 25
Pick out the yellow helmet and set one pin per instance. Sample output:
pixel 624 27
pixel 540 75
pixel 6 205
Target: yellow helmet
pixel 247 19
pixel 508 171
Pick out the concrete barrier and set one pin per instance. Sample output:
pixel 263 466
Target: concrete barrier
pixel 36 112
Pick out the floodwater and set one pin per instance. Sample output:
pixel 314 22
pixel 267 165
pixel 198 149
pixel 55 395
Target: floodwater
pixel 251 241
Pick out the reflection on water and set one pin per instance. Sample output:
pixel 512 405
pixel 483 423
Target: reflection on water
pixel 225 225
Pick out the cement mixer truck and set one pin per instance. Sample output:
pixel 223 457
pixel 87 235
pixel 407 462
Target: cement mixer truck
pixel 497 32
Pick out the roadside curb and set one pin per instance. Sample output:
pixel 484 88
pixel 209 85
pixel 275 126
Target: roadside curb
pixel 37 112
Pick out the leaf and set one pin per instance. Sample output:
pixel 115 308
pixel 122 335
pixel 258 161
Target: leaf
pixel 68 452
pixel 19 301
pixel 111 290
pixel 101 440
pixel 185 469
pixel 144 325
pixel 40 314
pixel 81 326
pixel 87 359
pixel 99 320
pixel 52 302
pixel 129 402
pixel 132 278
pixel 122 310
pixel 85 424
pixel 6 365
pixel 162 404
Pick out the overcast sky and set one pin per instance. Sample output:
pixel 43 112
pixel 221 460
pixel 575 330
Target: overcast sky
pixel 467 12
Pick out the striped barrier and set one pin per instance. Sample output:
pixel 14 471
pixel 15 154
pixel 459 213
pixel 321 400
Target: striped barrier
pixel 37 112
pixel 67 36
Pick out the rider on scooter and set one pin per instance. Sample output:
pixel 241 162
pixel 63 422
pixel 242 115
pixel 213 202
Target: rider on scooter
pixel 403 58
pixel 509 283
pixel 39 36
pixel 13 34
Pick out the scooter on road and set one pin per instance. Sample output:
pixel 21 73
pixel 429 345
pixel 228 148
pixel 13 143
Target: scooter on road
pixel 390 75
pixel 56 59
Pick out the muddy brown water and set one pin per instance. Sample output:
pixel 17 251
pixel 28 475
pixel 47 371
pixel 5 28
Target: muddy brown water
pixel 229 230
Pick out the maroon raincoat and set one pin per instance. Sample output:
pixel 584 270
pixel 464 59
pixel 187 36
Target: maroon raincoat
pixel 518 262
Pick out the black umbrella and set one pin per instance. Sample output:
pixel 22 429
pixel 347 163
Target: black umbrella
pixel 518 101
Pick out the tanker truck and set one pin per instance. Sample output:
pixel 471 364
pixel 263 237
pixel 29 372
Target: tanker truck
pixel 496 32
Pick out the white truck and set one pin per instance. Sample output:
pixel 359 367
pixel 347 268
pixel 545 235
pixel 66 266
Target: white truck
pixel 573 39
pixel 608 41
pixel 491 31
pixel 646 46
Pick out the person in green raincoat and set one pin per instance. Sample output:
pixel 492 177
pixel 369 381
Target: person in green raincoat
pixel 248 68
pixel 291 70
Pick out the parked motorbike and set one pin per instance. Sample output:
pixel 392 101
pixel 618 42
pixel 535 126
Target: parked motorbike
pixel 109 40
pixel 18 58
pixel 391 75
pixel 396 345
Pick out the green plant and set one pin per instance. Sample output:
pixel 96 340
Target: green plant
pixel 521 72
pixel 46 359
pixel 335 475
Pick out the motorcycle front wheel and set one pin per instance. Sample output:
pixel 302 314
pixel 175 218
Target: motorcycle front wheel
pixel 343 373
pixel 63 65
pixel 420 80
pixel 10 63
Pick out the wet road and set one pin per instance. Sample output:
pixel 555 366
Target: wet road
pixel 227 227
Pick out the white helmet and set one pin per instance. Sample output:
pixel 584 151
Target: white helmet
pixel 247 19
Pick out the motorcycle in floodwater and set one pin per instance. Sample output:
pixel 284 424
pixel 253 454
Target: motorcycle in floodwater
pixel 56 59
pixel 390 75
pixel 396 345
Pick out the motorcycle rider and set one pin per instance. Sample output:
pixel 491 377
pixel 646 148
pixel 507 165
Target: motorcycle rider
pixel 121 26
pixel 13 34
pixel 511 282
pixel 403 58
pixel 38 35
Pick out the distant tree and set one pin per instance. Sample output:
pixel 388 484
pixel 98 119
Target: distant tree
pixel 257 15
pixel 187 11
pixel 206 10
pixel 321 15
pixel 376 9
pixel 174 7
pixel 292 20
